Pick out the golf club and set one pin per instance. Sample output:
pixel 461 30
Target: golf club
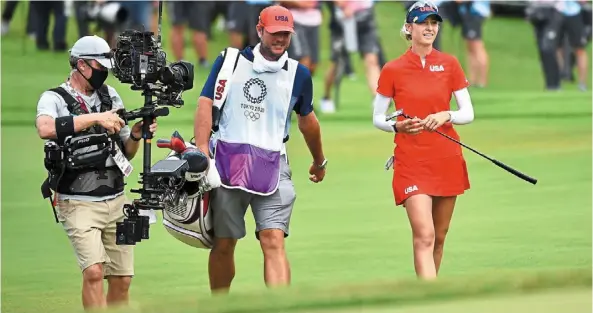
pixel 498 163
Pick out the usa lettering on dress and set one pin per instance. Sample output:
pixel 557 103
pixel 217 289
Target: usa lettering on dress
pixel 219 89
pixel 410 189
pixel 437 68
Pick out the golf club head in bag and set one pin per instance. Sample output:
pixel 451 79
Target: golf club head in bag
pixel 187 215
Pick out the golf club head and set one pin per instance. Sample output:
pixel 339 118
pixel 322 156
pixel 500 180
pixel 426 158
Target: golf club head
pixel 394 115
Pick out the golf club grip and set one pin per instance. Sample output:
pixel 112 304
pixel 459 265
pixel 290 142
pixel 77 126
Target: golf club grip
pixel 514 172
pixel 163 143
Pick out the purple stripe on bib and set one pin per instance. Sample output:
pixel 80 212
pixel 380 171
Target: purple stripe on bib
pixel 243 165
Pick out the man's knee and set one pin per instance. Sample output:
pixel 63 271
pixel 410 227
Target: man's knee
pixel 224 246
pixel 271 240
pixel 93 273
pixel 120 284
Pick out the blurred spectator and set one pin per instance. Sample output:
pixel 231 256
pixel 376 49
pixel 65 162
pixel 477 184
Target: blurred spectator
pixel 356 31
pixel 470 15
pixel 304 44
pixel 541 15
pixel 43 10
pixel 473 14
pixel 196 14
pixel 81 16
pixel 8 14
pixel 569 22
pixel 139 13
pixel 109 17
pixel 241 21
pixel 552 21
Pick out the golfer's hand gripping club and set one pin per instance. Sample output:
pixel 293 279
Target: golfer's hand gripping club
pixel 498 163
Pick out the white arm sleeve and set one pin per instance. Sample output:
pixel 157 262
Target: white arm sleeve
pixel 465 113
pixel 380 106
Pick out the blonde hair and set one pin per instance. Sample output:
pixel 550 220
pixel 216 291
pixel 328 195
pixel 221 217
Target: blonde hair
pixel 405 34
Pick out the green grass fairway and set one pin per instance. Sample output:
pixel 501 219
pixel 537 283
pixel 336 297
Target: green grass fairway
pixel 347 238
pixel 549 302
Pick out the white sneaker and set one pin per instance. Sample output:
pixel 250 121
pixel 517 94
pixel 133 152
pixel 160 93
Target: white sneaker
pixel 5 27
pixel 327 106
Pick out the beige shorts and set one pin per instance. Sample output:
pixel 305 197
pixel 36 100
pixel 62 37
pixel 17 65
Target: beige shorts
pixel 91 229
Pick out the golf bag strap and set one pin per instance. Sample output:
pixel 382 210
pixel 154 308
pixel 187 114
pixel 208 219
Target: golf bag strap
pixel 224 78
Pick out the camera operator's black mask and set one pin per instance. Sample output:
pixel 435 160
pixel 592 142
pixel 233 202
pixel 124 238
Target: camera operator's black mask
pixel 98 77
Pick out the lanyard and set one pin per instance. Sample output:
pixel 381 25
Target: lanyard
pixel 79 99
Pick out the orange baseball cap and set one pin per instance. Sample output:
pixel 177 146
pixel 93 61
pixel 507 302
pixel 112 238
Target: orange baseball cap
pixel 276 18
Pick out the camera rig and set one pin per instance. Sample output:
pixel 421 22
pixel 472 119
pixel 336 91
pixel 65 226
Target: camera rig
pixel 139 60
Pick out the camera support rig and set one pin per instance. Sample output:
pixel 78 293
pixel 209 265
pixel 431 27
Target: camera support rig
pixel 140 61
pixel 135 227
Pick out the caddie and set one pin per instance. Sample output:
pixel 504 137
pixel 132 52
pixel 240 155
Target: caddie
pixel 243 122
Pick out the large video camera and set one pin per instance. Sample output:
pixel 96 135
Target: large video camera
pixel 139 60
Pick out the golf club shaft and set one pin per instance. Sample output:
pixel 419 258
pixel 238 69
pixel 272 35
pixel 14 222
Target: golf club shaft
pixel 498 163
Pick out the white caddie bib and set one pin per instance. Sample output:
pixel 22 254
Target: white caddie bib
pixel 249 142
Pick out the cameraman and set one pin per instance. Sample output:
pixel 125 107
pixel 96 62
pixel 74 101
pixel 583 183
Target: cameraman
pixel 90 202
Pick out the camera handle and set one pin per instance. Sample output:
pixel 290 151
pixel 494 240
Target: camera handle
pixel 147 113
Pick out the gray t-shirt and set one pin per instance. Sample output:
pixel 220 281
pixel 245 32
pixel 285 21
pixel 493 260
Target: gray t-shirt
pixel 52 104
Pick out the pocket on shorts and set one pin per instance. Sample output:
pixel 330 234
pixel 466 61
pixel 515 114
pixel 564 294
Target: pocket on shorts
pixel 285 170
pixel 286 186
pixel 65 209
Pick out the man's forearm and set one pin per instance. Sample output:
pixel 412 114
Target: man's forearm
pixel 46 126
pixel 131 148
pixel 309 127
pixel 203 124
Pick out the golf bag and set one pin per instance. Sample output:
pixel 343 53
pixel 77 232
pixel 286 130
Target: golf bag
pixel 187 215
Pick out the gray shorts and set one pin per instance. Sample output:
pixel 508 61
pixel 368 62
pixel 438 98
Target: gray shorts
pixel 305 43
pixel 196 14
pixel 366 34
pixel 270 212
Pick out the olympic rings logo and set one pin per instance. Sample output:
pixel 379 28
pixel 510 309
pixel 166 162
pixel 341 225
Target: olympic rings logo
pixel 263 92
pixel 253 116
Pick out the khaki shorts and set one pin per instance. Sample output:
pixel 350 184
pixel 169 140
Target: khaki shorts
pixel 91 229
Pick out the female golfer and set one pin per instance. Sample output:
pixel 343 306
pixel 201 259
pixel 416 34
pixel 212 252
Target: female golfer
pixel 429 170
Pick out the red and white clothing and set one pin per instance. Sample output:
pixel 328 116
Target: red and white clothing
pixel 426 163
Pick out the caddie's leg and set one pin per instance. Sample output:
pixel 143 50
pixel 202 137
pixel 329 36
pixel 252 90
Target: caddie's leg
pixel 83 221
pixel 228 208
pixel 221 264
pixel 120 267
pixel 442 211
pixel 272 217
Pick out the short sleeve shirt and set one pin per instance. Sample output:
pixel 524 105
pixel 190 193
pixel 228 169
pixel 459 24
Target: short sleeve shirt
pixel 420 91
pixel 52 104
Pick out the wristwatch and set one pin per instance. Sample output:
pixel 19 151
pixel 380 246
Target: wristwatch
pixel 322 165
pixel 134 138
